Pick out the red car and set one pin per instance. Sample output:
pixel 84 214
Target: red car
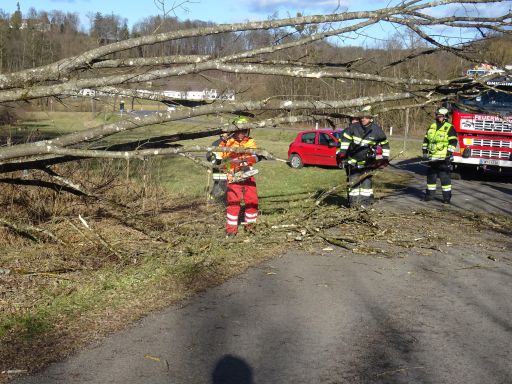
pixel 314 147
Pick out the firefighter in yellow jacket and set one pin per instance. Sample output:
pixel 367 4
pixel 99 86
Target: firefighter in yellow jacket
pixel 438 146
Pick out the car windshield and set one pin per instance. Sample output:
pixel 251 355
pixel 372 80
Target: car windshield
pixel 492 100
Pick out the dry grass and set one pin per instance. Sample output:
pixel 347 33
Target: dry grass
pixel 103 260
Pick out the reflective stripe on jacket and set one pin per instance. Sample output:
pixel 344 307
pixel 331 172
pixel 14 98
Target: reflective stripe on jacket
pixel 439 140
pixel 358 144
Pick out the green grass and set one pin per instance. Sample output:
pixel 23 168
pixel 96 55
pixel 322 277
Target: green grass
pixel 181 177
pixel 28 325
pixel 276 180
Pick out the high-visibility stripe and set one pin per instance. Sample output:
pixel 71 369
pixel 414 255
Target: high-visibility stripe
pixel 344 146
pixel 446 188
pixel 354 192
pixel 251 215
pixel 231 217
pixel 366 192
pixel 232 222
pixel 360 164
pixel 431 187
pixel 385 152
pixel 219 176
pixel 361 141
pixel 247 221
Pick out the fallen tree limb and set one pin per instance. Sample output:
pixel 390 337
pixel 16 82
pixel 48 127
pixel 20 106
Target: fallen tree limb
pixel 28 231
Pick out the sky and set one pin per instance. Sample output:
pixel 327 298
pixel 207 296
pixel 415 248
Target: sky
pixel 219 11
pixel 225 11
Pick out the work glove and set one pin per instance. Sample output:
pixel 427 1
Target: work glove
pixel 340 158
pixel 210 156
pixel 242 166
pixel 424 155
pixel 260 157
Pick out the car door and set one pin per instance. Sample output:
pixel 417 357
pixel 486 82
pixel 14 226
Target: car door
pixel 326 149
pixel 307 147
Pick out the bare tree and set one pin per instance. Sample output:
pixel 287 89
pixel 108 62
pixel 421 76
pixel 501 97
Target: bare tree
pixel 289 54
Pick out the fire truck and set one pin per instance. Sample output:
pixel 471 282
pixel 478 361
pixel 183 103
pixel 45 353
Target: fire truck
pixel 483 121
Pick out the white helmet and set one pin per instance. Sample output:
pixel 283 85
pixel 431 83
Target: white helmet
pixel 442 111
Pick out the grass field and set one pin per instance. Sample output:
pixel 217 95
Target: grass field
pixel 274 176
pixel 182 177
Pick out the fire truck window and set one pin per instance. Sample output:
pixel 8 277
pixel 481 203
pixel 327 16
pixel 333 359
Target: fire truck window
pixel 497 99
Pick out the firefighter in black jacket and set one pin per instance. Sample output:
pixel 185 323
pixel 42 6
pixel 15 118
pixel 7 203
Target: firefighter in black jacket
pixel 220 179
pixel 358 149
pixel 438 146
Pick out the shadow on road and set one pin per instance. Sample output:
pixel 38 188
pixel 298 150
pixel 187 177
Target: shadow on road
pixel 411 165
pixel 232 370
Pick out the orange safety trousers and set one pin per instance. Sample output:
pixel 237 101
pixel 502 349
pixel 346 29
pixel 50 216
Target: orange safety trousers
pixel 245 190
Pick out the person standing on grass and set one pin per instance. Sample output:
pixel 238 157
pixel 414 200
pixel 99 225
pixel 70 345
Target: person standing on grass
pixel 438 146
pixel 236 162
pixel 358 150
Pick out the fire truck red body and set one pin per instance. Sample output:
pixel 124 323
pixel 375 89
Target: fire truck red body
pixel 483 122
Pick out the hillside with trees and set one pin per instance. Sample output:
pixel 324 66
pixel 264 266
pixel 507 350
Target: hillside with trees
pixel 42 37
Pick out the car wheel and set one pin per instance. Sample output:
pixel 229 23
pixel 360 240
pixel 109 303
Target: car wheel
pixel 295 161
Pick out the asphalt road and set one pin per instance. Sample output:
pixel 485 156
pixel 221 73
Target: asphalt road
pixel 330 316
pixel 485 192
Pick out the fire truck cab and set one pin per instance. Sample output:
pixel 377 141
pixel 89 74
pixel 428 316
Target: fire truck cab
pixel 483 122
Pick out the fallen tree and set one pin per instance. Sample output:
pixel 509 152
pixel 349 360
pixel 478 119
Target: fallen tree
pixel 70 75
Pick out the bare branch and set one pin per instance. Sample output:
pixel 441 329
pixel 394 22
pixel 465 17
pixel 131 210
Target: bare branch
pixel 149 61
pixel 62 68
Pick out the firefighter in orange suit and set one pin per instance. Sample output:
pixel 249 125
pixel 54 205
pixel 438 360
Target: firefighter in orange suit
pixel 236 162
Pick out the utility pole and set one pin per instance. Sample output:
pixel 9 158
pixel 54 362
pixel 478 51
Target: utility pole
pixel 406 133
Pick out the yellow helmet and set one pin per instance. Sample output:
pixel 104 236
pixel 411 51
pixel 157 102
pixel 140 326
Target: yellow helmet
pixel 240 120
pixel 365 111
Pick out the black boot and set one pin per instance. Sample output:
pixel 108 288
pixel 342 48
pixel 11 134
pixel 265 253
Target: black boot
pixel 354 201
pixel 447 196
pixel 429 195
pixel 367 201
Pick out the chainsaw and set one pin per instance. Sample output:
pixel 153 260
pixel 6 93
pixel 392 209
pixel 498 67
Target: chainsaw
pixel 241 175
